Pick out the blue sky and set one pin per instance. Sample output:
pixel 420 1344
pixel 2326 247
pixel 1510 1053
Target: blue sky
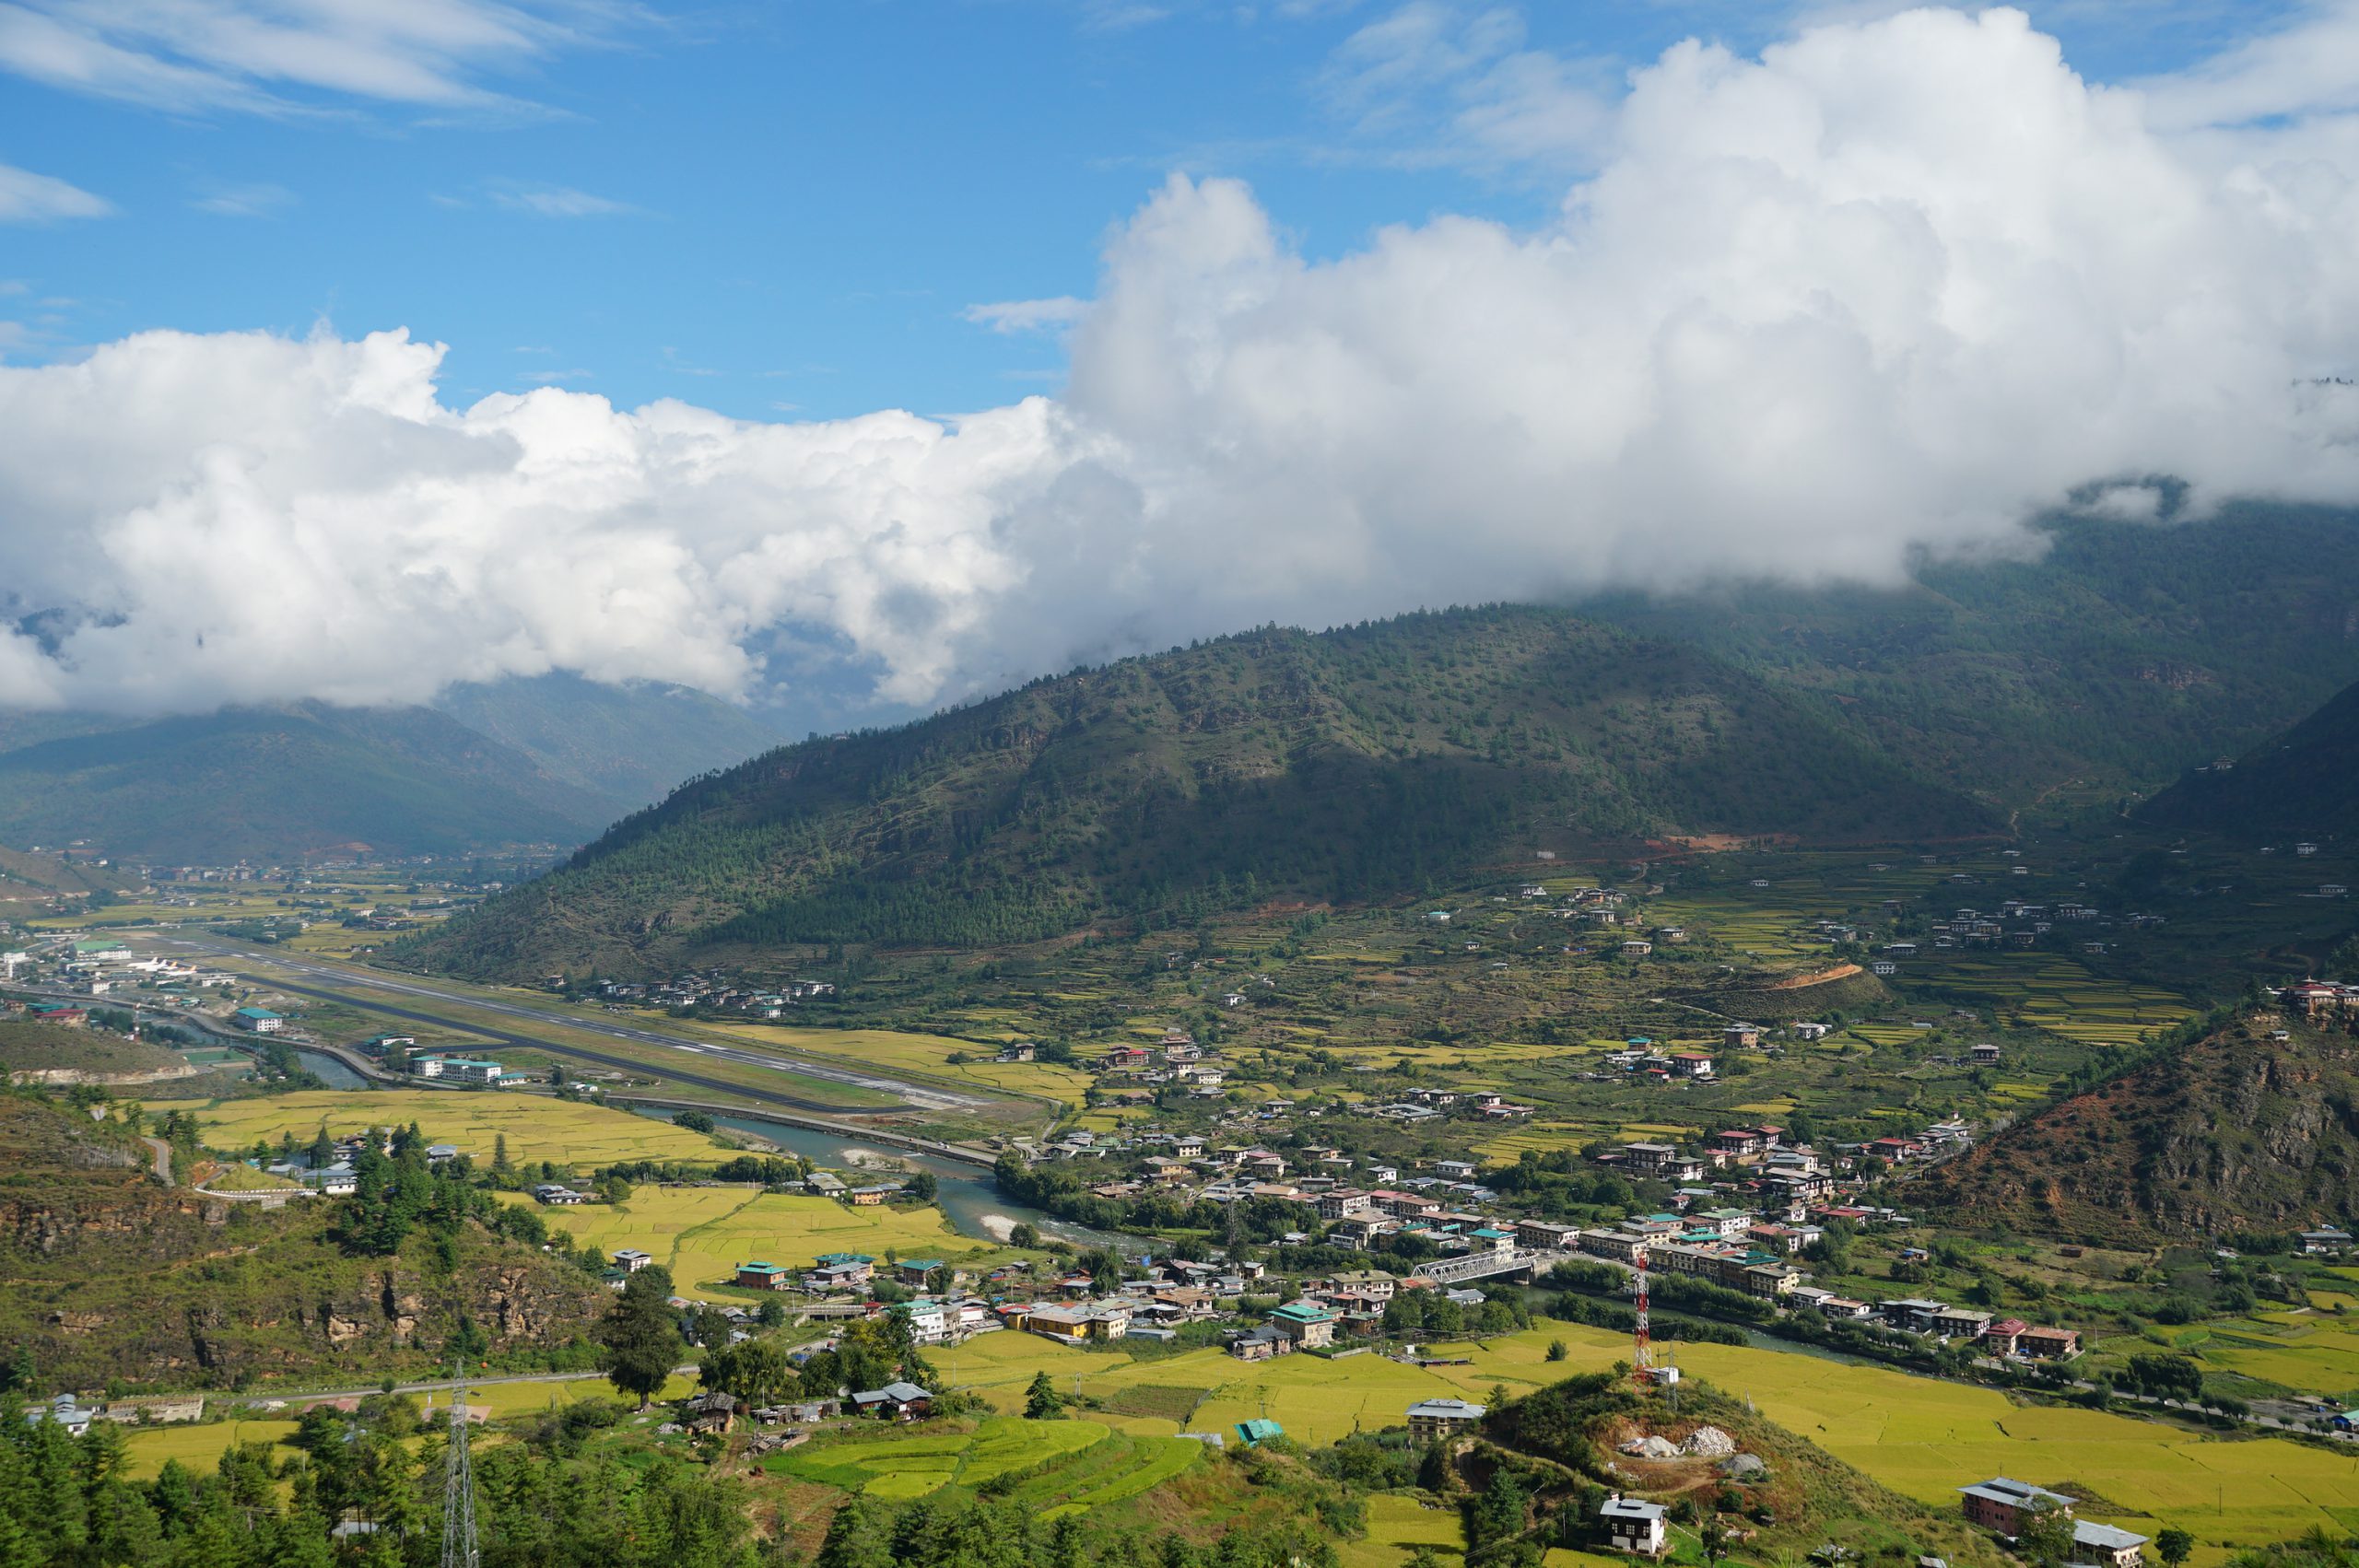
pixel 774 210
pixel 1336 309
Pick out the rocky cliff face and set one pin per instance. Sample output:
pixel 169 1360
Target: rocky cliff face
pixel 2240 1132
pixel 109 1275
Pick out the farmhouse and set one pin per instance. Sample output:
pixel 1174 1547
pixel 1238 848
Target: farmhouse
pixel 2001 1505
pixel 894 1401
pixel 1443 1418
pixel 758 1276
pixel 1634 1527
pixel 1310 1326
pixel 2105 1545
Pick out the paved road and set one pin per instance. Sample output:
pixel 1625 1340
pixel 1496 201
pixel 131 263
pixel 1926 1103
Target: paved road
pixel 346 981
pixel 432 1386
pixel 163 1158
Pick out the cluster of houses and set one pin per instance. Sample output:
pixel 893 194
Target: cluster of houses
pixel 1175 1059
pixel 2319 999
pixel 76 1414
pixel 1636 1527
pixel 710 988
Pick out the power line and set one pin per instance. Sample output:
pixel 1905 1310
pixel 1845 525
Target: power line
pixel 458 1547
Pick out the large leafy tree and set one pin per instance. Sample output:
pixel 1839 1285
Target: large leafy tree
pixel 641 1334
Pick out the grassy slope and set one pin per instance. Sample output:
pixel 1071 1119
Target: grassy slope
pixel 37 1045
pixel 110 1276
pixel 1360 762
pixel 2237 1131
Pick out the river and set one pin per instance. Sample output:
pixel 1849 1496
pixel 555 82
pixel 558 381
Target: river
pixel 329 1070
pixel 965 1193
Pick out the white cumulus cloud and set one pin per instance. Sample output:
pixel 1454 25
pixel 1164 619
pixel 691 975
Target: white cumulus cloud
pixel 1892 286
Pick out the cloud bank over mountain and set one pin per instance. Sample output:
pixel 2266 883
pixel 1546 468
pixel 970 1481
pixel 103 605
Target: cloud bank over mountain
pixel 1896 285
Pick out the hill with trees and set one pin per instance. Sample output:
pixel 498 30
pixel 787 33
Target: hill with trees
pixel 2297 785
pixel 115 1278
pixel 1381 760
pixel 2234 1131
pixel 1367 762
pixel 2122 655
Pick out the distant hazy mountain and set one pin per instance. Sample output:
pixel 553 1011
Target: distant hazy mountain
pixel 550 761
pixel 630 746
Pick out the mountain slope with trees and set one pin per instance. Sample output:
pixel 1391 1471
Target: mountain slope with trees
pixel 2233 1132
pixel 114 1277
pixel 1377 760
pixel 1364 762
pixel 2296 785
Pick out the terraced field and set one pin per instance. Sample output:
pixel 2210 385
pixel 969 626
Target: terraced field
pixel 1052 1466
pixel 2063 997
pixel 537 1128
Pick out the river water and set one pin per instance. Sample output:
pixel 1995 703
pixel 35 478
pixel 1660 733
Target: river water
pixel 329 1070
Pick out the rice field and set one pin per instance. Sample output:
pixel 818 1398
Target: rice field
pixel 702 1233
pixel 1919 1436
pixel 1080 1463
pixel 537 1126
pixel 198 1446
pixel 2054 993
pixel 1397 1526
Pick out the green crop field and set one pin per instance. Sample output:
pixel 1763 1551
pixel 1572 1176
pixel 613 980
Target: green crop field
pixel 537 1128
pixel 1058 1466
pixel 1396 1526
pixel 702 1233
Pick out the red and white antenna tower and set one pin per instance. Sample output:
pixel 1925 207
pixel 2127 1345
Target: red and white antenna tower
pixel 1642 1343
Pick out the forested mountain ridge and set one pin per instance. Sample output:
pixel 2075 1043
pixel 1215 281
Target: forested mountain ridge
pixel 2297 785
pixel 1374 760
pixel 2121 655
pixel 1358 762
pixel 2236 1130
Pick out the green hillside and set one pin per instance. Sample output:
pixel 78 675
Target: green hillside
pixel 2297 785
pixel 1377 760
pixel 36 1048
pixel 1361 763
pixel 112 1276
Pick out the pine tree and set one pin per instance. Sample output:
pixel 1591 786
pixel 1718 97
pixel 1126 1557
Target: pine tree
pixel 1041 1400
